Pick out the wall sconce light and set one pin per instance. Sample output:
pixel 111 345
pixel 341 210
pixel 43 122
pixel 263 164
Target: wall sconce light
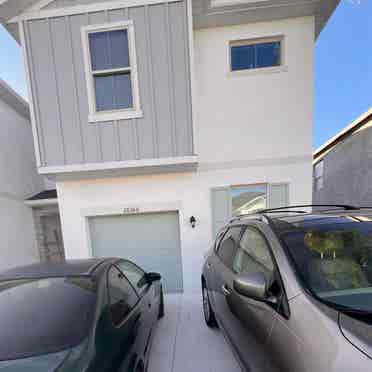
pixel 192 221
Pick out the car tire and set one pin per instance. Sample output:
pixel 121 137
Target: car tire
pixel 161 305
pixel 209 316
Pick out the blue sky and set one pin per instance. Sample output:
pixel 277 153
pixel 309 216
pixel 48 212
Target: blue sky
pixel 343 68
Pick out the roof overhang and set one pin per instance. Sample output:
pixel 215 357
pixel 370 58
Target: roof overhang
pixel 215 13
pixel 209 13
pixel 14 100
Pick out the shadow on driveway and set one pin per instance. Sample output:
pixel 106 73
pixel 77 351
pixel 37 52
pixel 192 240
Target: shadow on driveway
pixel 183 343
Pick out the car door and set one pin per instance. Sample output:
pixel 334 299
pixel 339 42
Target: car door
pixel 252 320
pixel 149 297
pixel 221 275
pixel 119 329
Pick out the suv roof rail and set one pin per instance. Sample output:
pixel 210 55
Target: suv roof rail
pixel 335 206
pixel 292 209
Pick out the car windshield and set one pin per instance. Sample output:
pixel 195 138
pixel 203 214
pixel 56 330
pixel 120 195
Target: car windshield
pixel 333 256
pixel 40 316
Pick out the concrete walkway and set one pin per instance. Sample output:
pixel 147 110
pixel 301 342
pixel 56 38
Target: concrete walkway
pixel 183 343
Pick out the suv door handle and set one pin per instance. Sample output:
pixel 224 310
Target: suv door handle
pixel 209 265
pixel 225 290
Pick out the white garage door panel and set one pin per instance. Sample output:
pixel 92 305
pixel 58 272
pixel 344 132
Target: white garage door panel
pixel 151 240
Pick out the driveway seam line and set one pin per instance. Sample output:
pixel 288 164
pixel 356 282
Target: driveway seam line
pixel 176 335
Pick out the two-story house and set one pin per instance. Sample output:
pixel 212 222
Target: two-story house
pixel 159 120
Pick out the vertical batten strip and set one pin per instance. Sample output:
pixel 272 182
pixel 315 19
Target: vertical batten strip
pixel 171 82
pixel 57 89
pixel 68 21
pixel 188 31
pixel 133 121
pixel 33 83
pixel 96 125
pixel 31 95
pixel 151 81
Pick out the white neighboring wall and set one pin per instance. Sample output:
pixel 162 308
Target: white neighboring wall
pixel 18 180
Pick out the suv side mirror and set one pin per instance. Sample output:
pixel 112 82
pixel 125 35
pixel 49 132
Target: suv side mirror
pixel 252 285
pixel 152 277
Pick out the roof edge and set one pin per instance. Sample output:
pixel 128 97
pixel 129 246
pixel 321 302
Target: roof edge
pixel 347 131
pixel 13 99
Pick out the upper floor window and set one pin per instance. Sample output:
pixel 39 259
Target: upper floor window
pixel 254 54
pixel 111 71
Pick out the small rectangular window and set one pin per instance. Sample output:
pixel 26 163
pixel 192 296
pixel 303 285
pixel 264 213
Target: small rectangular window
pixel 111 71
pixel 319 175
pixel 247 55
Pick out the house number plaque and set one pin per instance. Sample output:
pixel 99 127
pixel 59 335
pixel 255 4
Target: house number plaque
pixel 131 210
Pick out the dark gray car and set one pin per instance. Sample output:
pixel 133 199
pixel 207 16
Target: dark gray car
pixel 292 290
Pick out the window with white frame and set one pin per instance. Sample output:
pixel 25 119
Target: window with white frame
pixel 319 175
pixel 256 54
pixel 111 71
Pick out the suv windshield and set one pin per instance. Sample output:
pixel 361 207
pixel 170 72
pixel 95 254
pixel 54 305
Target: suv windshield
pixel 333 256
pixel 40 316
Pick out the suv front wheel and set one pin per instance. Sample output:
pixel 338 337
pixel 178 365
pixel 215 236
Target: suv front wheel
pixel 209 317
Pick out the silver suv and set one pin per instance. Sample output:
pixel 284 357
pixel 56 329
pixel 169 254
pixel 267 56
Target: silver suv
pixel 292 289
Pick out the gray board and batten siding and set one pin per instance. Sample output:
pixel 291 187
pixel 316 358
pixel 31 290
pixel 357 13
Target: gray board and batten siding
pixel 59 89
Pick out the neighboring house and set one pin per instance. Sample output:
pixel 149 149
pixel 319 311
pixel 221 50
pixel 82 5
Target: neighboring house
pixel 18 180
pixel 149 114
pixel 343 166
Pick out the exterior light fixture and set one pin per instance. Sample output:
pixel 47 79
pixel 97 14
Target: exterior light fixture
pixel 192 221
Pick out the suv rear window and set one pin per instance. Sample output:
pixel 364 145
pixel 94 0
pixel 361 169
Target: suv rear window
pixel 41 316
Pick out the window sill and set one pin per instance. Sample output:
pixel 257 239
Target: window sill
pixel 258 71
pixel 111 116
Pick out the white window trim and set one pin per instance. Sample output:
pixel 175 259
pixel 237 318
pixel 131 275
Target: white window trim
pixel 131 113
pixel 258 70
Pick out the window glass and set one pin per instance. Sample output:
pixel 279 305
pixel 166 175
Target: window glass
pixel 109 49
pixel 111 70
pixel 122 296
pixel 113 92
pixel 134 274
pixel 259 55
pixel 333 256
pixel 41 316
pixel 246 199
pixel 254 255
pixel 228 246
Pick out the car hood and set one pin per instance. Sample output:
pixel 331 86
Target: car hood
pixel 357 332
pixel 42 363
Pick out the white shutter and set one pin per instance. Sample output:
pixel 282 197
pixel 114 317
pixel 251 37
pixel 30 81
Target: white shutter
pixel 221 208
pixel 278 195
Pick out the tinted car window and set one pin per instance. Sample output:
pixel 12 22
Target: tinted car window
pixel 122 297
pixel 253 254
pixel 134 274
pixel 40 316
pixel 228 246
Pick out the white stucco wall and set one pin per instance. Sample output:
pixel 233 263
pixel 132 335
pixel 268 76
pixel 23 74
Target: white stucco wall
pixel 254 114
pixel 18 180
pixel 188 192
pixel 250 128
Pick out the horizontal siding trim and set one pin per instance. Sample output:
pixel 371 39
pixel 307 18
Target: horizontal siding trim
pixel 82 9
pixel 129 164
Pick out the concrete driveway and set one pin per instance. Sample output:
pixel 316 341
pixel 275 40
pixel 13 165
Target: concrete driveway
pixel 183 343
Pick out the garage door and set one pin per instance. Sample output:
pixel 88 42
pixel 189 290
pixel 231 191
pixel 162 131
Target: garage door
pixel 151 240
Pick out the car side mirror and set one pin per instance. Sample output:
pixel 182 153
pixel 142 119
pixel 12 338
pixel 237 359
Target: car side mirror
pixel 152 277
pixel 252 285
